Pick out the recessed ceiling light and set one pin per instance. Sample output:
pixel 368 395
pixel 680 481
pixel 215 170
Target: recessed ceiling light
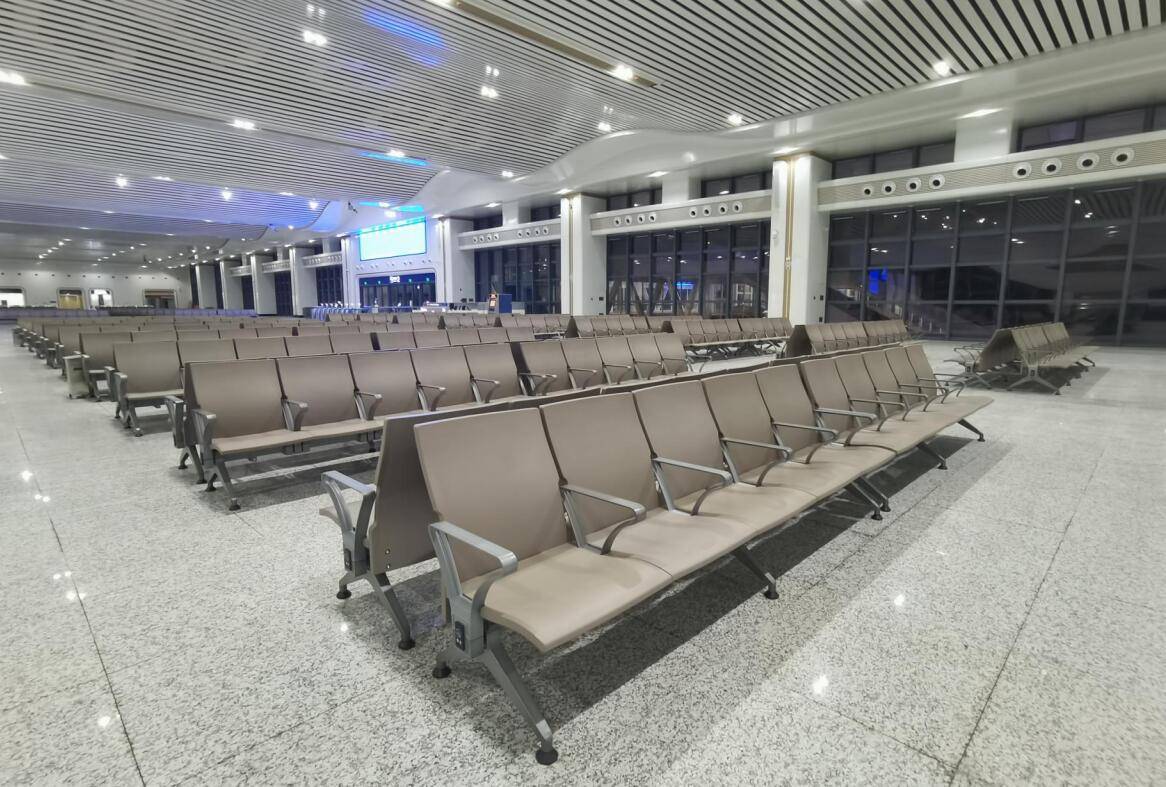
pixel 491 71
pixel 435 215
pixel 941 67
pixel 287 194
pixel 122 181
pixel 603 126
pixel 396 153
pixel 312 37
pixel 107 211
pixel 785 151
pixel 979 113
pixel 563 191
pixel 169 234
pixel 2 157
pixel 493 204
pixel 12 78
pixel 390 214
pixel 162 177
pixel 735 119
pixel 246 125
pixel 291 226
pixel 488 92
pixel 84 228
pixel 227 194
pixel 207 221
pixel 624 72
pixel 313 204
pixel 507 173
pixel 658 173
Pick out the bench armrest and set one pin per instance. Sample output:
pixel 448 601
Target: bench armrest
pixel 355 534
pixel 570 490
pixel 543 381
pixel 367 404
pixel 176 409
pixel 293 413
pixel 426 402
pixel 571 373
pixel 820 429
pixel 659 369
pixel 204 430
pixel 607 374
pixel 784 451
pixel 441 533
pixel 484 398
pixel 724 478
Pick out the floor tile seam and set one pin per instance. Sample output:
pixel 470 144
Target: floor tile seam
pixel 866 726
pixel 1016 637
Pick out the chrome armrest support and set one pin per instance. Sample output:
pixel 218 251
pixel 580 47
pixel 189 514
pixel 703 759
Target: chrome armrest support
pixel 658 368
pixel 293 414
pixel 355 534
pixel 637 510
pixel 575 382
pixel 607 374
pixel 367 404
pixel 536 389
pixel 784 453
pixel 204 430
pixel 176 409
pixel 426 402
pixel 484 398
pixel 441 533
pixel 724 478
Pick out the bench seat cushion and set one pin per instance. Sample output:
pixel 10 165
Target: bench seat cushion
pixel 820 479
pixel 676 542
pixel 142 396
pixel 956 407
pixel 566 591
pixel 347 428
pixel 760 508
pixel 260 441
pixel 866 458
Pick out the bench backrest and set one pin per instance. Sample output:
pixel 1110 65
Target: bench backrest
pixel 388 374
pixel 148 366
pixel 324 382
pixel 244 395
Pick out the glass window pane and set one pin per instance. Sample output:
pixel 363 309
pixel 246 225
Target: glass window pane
pixel 1145 324
pixel 1114 124
pixel 716 239
pixel 664 241
pixel 977 283
pixel 850 227
pixel 747 235
pixel 885 284
pixel 929 284
pixel 690 240
pixel 617 202
pixel 1148 279
pixel 972 320
pixel 888 224
pixel 937 153
pixel 846 255
pixel 717 186
pixel 842 312
pixel 743 297
pixel 1035 245
pixel 641 198
pixel 853 167
pixel 845 286
pixel 746 261
pixel 640 244
pixel 935 220
pixel 687 294
pixel 1033 282
pixel 1110 240
pixel 1047 135
pixel 928 318
pixel 933 252
pixel 617 290
pixel 1101 205
pixel 888 254
pixel 1093 279
pixel 893 160
pixel 983 216
pixel 1092 320
pixel 981 248
pixel 1027 313
pixel 750 182
pixel 1043 210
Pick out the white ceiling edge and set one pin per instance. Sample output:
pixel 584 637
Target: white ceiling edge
pixel 1092 77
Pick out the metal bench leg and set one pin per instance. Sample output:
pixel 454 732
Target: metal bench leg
pixel 225 477
pixel 875 492
pixel 925 448
pixel 967 425
pixel 746 557
pixel 497 660
pixel 388 597
pixel 870 501
pixel 132 420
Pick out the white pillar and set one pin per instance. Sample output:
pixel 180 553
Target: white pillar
pixel 457 265
pixel 797 268
pixel 583 257
pixel 232 287
pixel 515 213
pixel 990 136
pixel 204 277
pixel 262 286
pixel 679 187
pixel 303 281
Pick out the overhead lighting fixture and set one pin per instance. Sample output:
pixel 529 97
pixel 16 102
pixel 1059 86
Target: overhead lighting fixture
pixel 12 78
pixel 439 215
pixel 287 194
pixel 507 173
pixel 491 71
pixel 979 113
pixel 246 125
pixel 227 194
pixel 291 226
pixel 313 204
pixel 493 204
pixel 2 157
pixel 941 67
pixel 735 119
pixel 390 214
pixel 561 192
pixel 107 211
pixel 317 39
pixel 785 151
pixel 162 177
pixel 603 126
pixel 624 72
pixel 396 153
pixel 488 92
pixel 658 173
pixel 122 181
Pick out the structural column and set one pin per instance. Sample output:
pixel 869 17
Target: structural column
pixel 583 257
pixel 303 281
pixel 457 274
pixel 204 278
pixel 232 287
pixel 799 238
pixel 263 286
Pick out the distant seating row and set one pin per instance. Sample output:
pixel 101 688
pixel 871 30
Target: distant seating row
pixel 1043 354
pixel 654 484
pixel 824 337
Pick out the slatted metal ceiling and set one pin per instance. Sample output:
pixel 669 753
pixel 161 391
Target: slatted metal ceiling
pixel 144 89
pixel 29 241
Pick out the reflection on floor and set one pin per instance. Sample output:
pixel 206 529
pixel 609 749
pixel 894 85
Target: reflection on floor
pixel 1005 623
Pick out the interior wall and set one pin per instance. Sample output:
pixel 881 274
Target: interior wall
pixel 431 261
pixel 128 283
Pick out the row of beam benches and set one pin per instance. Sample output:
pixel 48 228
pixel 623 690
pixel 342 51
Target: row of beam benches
pixel 825 337
pixel 550 516
pixel 1042 354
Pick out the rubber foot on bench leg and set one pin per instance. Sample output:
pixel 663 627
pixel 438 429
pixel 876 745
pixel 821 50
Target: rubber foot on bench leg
pixel 343 593
pixel 981 439
pixel 546 756
pixel 441 671
pixel 407 644
pixel 234 506
pixel 771 594
pixel 884 508
pixel 876 516
pixel 942 466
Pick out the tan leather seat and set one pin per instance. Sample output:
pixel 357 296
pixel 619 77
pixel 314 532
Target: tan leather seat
pixel 493 373
pixel 251 348
pixel 488 335
pixel 443 377
pixel 462 336
pixel 671 347
pixel 385 381
pixel 324 383
pixel 429 338
pixel 352 342
pixel 523 333
pixel 312 344
pixel 245 398
pixel 584 363
pixel 899 359
pixel 543 367
pixel 616 357
pixel 646 355
pixel 396 340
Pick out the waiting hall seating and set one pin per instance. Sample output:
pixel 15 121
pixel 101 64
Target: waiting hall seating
pixel 254 348
pixel 1043 354
pixel 84 371
pixel 143 374
pixel 352 342
pixel 308 344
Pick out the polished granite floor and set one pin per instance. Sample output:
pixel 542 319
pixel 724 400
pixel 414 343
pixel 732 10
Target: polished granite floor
pixel 1005 624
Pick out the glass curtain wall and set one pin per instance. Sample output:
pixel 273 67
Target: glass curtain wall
pixel 1092 257
pixel 717 271
pixel 529 273
pixel 283 293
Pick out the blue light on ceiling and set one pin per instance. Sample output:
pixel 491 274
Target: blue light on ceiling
pixel 412 162
pixel 420 42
